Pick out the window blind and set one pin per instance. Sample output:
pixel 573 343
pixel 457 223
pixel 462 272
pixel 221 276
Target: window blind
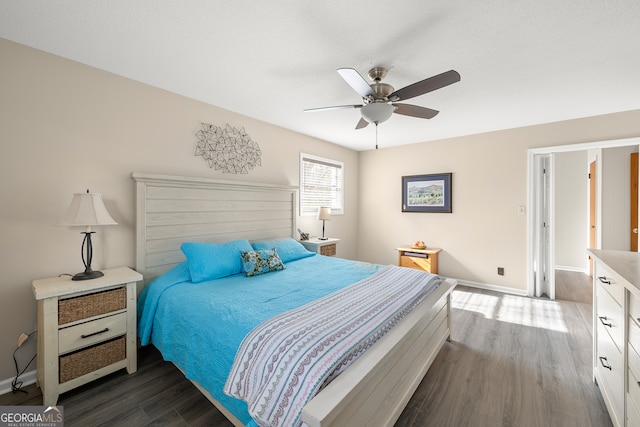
pixel 321 184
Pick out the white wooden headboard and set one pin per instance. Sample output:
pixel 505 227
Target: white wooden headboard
pixel 171 210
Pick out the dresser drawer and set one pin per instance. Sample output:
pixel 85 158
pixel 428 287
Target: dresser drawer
pixel 609 315
pixel 634 334
pixel 633 414
pixel 634 307
pixel 634 360
pixel 634 389
pixel 609 366
pixel 611 281
pixel 89 333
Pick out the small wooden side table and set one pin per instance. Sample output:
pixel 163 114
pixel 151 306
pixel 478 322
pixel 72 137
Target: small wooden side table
pixel 421 259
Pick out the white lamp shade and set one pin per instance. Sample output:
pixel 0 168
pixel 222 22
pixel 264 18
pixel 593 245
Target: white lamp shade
pixel 324 214
pixel 377 112
pixel 87 209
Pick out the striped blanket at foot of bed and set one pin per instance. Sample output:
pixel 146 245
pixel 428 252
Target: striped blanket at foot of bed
pixel 284 362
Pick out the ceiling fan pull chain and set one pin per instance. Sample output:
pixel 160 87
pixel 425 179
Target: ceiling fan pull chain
pixel 376 135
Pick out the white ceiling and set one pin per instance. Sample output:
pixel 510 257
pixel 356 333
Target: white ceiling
pixel 521 62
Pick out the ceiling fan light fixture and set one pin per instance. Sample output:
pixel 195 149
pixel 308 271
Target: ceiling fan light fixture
pixel 377 112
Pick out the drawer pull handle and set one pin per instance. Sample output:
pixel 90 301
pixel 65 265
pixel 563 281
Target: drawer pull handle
pixel 603 320
pixel 603 360
pixel 604 280
pixel 95 333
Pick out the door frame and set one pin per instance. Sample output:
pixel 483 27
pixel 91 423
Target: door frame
pixel 536 247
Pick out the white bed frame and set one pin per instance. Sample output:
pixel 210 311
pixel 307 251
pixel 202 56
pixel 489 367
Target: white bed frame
pixel 374 390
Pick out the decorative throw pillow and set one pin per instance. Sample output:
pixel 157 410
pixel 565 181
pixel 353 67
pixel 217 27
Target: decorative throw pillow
pixel 208 261
pixel 288 249
pixel 260 262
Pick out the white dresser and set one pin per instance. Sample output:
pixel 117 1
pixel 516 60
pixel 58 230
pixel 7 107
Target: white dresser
pixel 616 338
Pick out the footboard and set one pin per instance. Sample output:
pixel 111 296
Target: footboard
pixel 376 388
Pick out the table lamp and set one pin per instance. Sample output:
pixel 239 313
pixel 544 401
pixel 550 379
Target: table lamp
pixel 324 214
pixel 87 209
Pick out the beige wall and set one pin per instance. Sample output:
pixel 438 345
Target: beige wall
pixel 66 127
pixel 485 230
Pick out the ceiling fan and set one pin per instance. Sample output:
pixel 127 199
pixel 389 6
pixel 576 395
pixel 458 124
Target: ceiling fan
pixel 379 100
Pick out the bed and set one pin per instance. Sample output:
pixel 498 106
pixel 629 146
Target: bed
pixel 372 390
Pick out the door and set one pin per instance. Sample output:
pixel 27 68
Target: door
pixel 633 197
pixel 543 267
pixel 592 211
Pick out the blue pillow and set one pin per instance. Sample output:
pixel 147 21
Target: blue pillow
pixel 208 261
pixel 288 249
pixel 260 262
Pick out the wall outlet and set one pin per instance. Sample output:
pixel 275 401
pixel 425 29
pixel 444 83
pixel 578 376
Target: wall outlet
pixel 500 271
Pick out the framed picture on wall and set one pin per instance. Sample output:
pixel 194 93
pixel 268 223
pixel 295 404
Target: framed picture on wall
pixel 427 193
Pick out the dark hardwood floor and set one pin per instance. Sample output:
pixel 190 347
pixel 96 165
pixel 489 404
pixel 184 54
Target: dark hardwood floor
pixel 513 361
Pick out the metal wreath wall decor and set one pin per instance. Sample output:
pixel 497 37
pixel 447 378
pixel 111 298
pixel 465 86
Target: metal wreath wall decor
pixel 227 149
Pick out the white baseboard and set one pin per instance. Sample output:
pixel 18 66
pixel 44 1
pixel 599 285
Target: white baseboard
pixel 490 287
pixel 574 269
pixel 27 378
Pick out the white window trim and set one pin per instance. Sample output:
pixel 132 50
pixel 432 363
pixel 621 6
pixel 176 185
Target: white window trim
pixel 336 163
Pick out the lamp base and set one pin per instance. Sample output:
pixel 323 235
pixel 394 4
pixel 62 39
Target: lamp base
pixel 87 275
pixel 323 238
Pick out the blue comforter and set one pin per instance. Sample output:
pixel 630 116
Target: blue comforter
pixel 199 326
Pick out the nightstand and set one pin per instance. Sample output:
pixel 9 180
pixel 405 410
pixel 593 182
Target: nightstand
pixel 322 247
pixel 421 259
pixel 86 329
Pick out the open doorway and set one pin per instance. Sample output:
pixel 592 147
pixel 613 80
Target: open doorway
pixel 542 224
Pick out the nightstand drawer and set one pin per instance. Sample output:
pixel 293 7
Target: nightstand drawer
pixel 95 304
pixel 89 333
pixel 87 360
pixel 416 262
pixel 328 250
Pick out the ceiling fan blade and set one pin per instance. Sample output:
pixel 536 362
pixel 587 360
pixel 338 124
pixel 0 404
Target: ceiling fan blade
pixel 426 86
pixel 337 107
pixel 356 81
pixel 362 123
pixel 415 111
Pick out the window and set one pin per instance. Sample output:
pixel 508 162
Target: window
pixel 321 184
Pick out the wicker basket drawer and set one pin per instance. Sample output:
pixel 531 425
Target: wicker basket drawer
pixel 328 250
pixel 90 359
pixel 89 333
pixel 84 306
